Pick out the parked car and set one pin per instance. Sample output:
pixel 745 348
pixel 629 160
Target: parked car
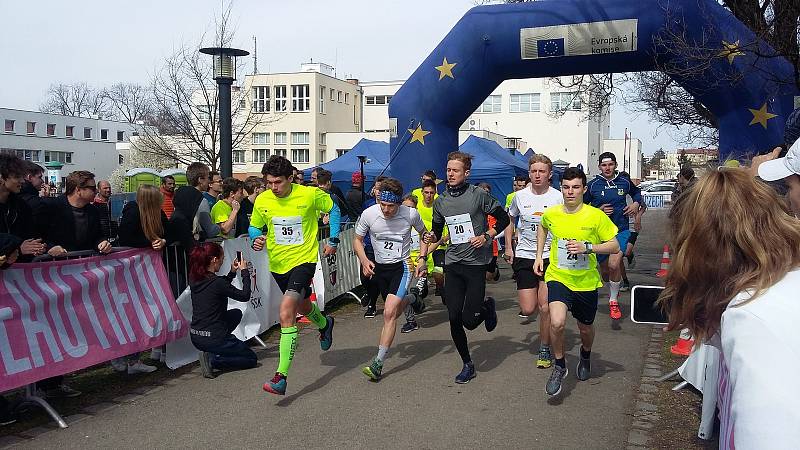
pixel 662 188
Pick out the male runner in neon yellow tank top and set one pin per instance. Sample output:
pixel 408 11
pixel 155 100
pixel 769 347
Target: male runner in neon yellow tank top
pixel 290 213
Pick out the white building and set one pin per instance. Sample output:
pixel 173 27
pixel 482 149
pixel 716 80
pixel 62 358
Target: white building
pixel 78 143
pixel 522 113
pixel 300 109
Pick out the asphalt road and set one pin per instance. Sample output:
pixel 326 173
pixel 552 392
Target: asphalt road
pixel 330 404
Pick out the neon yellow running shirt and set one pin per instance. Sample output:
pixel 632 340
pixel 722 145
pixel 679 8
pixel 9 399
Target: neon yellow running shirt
pixel 291 225
pixel 577 272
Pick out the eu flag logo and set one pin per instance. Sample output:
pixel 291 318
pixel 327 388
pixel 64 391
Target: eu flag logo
pixel 550 47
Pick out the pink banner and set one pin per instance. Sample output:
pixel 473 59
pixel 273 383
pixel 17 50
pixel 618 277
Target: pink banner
pixel 59 317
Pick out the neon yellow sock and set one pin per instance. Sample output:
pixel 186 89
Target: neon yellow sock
pixel 316 317
pixel 287 347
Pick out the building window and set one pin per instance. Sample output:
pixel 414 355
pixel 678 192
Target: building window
pixel 51 129
pixel 28 155
pixel 339 96
pixel 346 98
pixel 69 131
pixel 31 127
pixel 322 156
pixel 204 112
pixel 280 138
pixel 301 98
pixel 300 138
pixel 260 99
pixel 280 152
pixel 341 151
pixel 565 101
pixel 87 133
pixel 525 103
pixel 103 134
pixel 62 157
pixel 260 138
pixel 9 126
pixel 378 99
pixel 260 155
pixel 333 95
pixel 300 155
pixel 322 99
pixel 490 105
pixel 237 156
pixel 120 136
pixel 280 98
pixel 323 137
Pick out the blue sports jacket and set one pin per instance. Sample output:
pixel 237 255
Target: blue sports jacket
pixel 614 192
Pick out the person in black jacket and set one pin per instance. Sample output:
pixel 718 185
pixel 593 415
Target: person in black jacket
pixel 73 222
pixel 31 194
pixel 212 322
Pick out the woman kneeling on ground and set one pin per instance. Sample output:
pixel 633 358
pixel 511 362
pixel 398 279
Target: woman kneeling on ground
pixel 212 322
pixel 734 283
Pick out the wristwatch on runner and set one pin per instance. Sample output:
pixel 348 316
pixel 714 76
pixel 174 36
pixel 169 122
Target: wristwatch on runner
pixel 333 241
pixel 487 237
pixel 588 248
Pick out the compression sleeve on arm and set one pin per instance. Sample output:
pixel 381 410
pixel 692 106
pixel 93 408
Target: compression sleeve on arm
pixel 502 219
pixel 253 232
pixel 335 220
pixel 437 229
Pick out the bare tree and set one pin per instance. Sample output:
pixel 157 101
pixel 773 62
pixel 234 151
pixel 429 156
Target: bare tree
pixel 78 99
pixel 130 102
pixel 185 115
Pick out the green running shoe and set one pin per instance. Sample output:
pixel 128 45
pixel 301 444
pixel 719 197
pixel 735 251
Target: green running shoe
pixel 373 371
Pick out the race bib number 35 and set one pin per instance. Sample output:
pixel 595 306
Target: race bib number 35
pixel 288 230
pixel 568 261
pixel 460 228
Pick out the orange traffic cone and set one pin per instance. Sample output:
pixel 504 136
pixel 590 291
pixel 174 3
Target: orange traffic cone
pixel 665 262
pixel 684 345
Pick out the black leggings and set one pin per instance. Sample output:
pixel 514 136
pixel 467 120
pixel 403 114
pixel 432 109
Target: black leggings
pixel 464 289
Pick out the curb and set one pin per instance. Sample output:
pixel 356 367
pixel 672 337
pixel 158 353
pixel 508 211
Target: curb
pixel 645 414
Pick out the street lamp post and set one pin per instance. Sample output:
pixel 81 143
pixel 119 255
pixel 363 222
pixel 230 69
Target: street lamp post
pixel 224 75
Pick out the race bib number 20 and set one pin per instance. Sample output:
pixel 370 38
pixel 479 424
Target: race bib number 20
pixel 460 228
pixel 288 230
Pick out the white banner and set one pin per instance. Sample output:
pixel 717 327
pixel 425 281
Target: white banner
pixel 339 273
pixel 258 315
pixel 591 38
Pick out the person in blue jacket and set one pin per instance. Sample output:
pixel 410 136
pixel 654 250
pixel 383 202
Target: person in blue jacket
pixel 609 191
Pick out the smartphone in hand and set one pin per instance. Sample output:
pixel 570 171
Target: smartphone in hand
pixel 645 307
pixel 239 256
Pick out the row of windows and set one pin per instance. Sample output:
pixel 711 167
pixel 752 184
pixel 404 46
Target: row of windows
pixel 301 98
pixel 69 130
pixel 35 155
pixel 261 155
pixel 559 101
pixel 298 138
pixel 378 99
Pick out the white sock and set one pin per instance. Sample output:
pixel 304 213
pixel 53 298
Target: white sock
pixel 614 290
pixel 382 351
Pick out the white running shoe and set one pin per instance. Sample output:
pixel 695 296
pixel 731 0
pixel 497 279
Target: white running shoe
pixel 140 367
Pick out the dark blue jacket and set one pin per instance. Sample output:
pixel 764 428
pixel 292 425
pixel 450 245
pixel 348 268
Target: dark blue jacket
pixel 614 192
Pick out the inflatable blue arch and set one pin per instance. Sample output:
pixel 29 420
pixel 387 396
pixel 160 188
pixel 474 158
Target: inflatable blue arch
pixel 748 89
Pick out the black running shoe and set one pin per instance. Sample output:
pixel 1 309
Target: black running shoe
pixel 370 313
pixel 553 386
pixel 467 373
pixel 408 327
pixel 582 372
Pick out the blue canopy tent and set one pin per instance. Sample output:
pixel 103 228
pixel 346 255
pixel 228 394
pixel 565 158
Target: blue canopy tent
pixel 493 164
pixel 342 168
pixel 529 153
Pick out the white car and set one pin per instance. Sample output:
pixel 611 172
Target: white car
pixel 653 191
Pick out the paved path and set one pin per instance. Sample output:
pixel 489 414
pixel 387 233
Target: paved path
pixel 330 404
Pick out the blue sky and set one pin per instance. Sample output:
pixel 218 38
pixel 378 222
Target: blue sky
pixel 104 42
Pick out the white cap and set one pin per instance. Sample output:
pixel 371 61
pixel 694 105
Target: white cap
pixel 780 168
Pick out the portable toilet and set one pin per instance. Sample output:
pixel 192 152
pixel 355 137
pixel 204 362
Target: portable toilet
pixel 141 175
pixel 178 174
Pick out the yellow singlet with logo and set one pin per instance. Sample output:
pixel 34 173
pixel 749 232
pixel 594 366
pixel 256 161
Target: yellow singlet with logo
pixel 291 225
pixel 576 272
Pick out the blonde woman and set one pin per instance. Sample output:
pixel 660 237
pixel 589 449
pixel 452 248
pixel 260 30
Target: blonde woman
pixel 734 283
pixel 143 225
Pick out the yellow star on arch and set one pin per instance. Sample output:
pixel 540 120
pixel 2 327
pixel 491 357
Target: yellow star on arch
pixel 446 69
pixel 418 135
pixel 730 51
pixel 761 115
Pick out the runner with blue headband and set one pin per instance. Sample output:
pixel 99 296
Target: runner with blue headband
pixel 389 225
